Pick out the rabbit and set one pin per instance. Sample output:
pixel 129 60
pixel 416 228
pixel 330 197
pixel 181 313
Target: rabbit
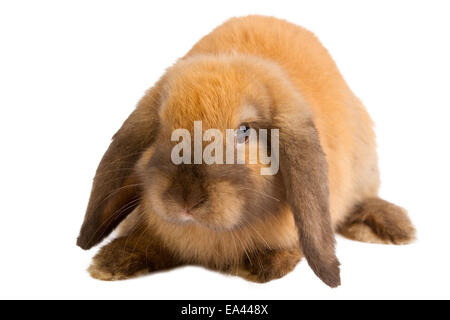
pixel 260 72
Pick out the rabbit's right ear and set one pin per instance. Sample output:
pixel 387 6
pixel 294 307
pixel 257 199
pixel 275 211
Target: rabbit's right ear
pixel 116 189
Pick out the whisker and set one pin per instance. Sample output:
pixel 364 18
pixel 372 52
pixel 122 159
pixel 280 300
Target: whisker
pixel 113 216
pixel 261 193
pixel 132 231
pixel 139 238
pixel 115 191
pixel 128 156
pixel 103 172
pixel 258 234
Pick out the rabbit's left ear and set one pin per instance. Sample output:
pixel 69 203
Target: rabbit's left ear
pixel 304 171
pixel 116 189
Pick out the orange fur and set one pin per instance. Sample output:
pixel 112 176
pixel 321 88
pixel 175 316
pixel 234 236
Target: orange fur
pixel 249 69
pixel 345 129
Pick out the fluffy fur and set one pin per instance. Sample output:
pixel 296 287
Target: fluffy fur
pixel 267 73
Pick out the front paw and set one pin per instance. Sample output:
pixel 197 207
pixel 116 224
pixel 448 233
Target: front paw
pixel 270 264
pixel 116 261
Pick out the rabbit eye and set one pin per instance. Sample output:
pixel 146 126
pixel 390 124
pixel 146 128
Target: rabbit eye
pixel 242 133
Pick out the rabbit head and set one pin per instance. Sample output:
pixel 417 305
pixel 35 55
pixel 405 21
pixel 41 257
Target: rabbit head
pixel 221 92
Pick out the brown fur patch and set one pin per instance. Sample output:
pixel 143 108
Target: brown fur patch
pixel 269 264
pixel 132 255
pixel 376 220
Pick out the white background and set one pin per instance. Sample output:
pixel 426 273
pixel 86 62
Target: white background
pixel 71 71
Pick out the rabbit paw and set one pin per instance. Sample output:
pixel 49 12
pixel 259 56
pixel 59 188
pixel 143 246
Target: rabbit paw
pixel 116 261
pixel 378 221
pixel 270 264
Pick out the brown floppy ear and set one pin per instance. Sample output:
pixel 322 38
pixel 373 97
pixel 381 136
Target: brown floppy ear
pixel 115 190
pixel 305 174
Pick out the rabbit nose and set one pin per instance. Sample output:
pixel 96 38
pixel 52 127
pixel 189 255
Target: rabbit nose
pixel 193 198
pixel 187 188
pixel 189 206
